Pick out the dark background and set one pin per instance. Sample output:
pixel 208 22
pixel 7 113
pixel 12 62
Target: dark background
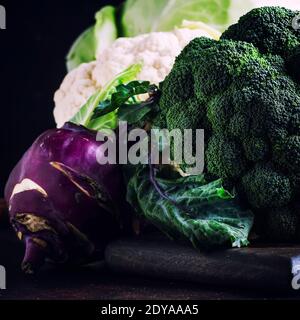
pixel 32 66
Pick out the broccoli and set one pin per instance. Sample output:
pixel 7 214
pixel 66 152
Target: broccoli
pixel 270 29
pixel 242 91
pixel 282 224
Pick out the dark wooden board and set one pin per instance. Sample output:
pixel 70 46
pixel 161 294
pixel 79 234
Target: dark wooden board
pixel 99 282
pixel 95 282
pixel 267 268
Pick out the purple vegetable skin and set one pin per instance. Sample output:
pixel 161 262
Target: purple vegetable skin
pixel 63 204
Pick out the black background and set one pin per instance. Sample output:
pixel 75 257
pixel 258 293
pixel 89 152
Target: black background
pixel 32 66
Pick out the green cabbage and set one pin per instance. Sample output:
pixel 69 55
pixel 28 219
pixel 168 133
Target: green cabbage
pixel 144 16
pixel 95 39
pixel 83 50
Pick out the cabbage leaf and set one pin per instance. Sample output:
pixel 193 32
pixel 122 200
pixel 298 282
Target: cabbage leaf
pixel 189 208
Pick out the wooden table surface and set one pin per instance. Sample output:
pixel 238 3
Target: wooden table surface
pixel 96 282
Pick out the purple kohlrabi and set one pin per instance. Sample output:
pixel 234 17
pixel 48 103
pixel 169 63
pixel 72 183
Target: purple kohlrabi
pixel 63 204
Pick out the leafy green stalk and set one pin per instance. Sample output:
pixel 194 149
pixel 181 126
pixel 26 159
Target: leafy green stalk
pixel 85 117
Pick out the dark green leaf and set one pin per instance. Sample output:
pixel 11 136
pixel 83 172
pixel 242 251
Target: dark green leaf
pixel 103 108
pixel 123 99
pixel 191 209
pixel 83 50
pixel 133 113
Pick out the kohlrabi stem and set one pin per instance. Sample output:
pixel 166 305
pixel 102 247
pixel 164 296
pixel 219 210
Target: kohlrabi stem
pixel 34 257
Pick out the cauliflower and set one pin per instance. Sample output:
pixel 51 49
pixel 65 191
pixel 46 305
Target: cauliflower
pixel 157 51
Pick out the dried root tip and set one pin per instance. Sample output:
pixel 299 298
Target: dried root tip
pixel 34 257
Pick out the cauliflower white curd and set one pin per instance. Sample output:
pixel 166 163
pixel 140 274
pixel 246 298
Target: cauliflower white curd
pixel 157 51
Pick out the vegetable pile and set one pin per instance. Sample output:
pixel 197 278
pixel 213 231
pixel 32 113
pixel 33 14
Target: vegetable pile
pixel 156 51
pixel 152 32
pixel 242 89
pixel 138 17
pixel 66 206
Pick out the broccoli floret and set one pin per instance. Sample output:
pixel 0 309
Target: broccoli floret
pixel 182 84
pixel 270 29
pixel 159 122
pixel 255 148
pixel 287 155
pixel 264 187
pixel 282 224
pixel 242 92
pixel 193 50
pixel 224 158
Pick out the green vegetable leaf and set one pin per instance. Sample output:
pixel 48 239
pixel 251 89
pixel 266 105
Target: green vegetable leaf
pixel 85 114
pixel 124 102
pixel 109 121
pixel 135 112
pixel 94 40
pixel 141 16
pixel 189 208
pixel 105 31
pixel 103 108
pixel 121 96
pixel 83 50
